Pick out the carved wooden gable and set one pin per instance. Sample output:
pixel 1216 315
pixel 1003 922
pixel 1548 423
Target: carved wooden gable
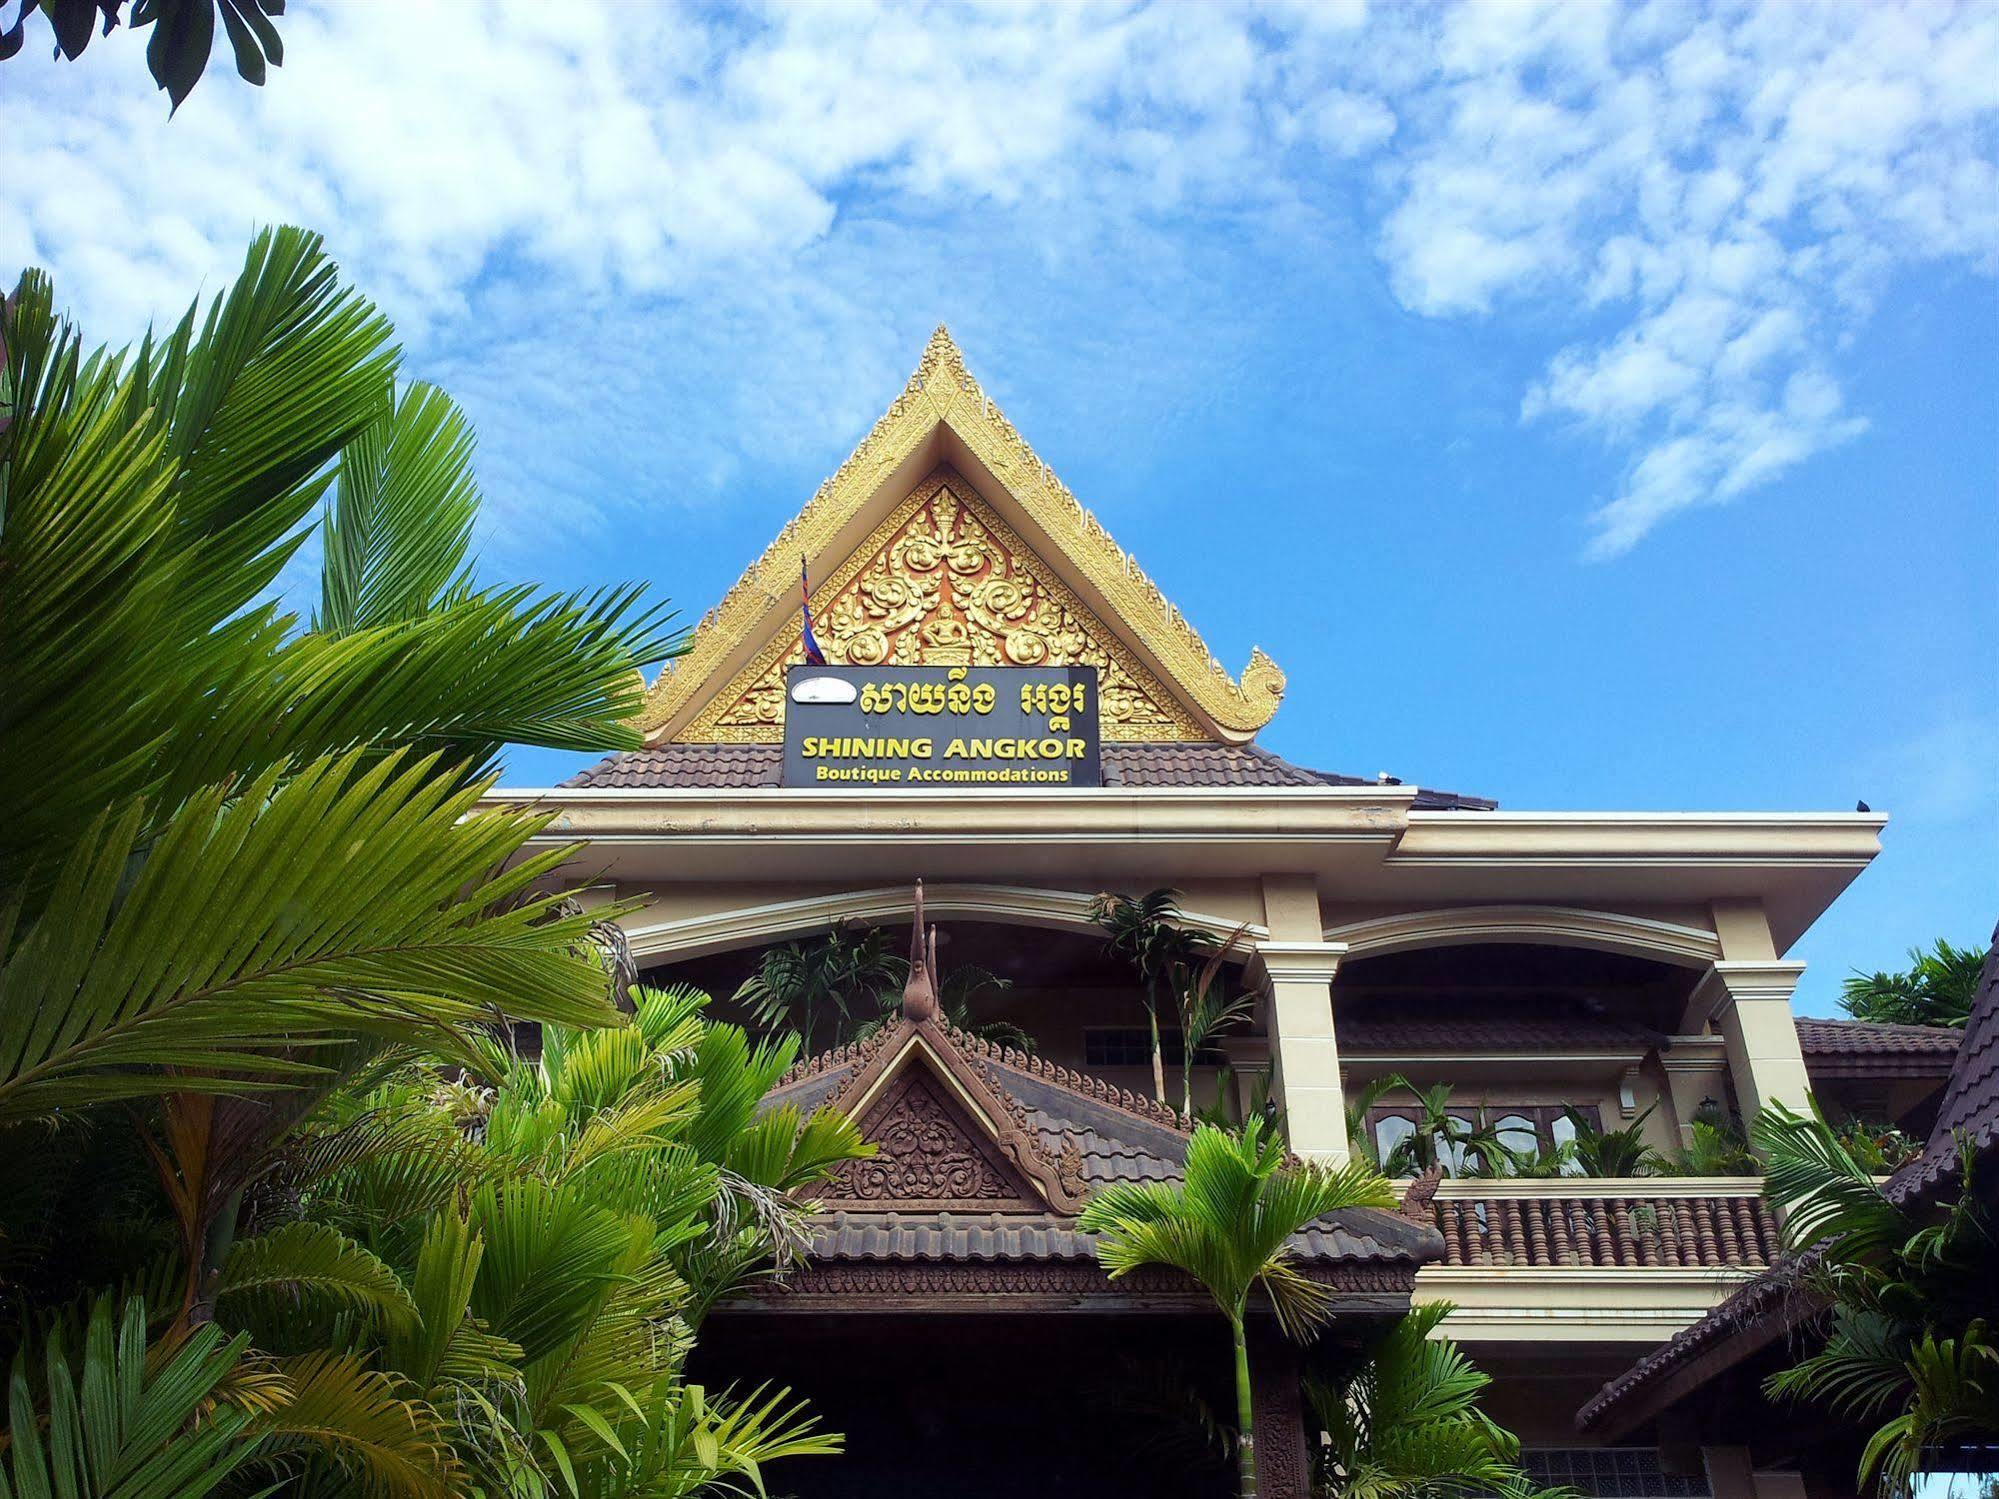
pixel 930 1154
pixel 945 582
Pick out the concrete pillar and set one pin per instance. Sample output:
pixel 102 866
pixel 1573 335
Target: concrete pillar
pixel 1304 1055
pixel 1696 1069
pixel 1296 968
pixel 1749 1005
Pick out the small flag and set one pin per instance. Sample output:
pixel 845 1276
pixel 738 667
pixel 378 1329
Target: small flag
pixel 813 655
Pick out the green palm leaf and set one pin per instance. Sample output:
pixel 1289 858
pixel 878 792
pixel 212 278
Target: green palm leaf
pixel 338 1411
pixel 303 1263
pixel 399 530
pixel 129 1423
pixel 293 914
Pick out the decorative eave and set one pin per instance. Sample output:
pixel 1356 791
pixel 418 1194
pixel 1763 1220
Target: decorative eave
pixel 943 394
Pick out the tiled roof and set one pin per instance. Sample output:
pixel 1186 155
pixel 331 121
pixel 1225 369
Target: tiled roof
pixel 846 1235
pixel 1762 1310
pixel 1363 1034
pixel 1118 1136
pixel 1970 1107
pixel 1758 1313
pixel 1870 1038
pixel 742 766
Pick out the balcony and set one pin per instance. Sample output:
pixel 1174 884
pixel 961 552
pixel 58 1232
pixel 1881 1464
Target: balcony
pixel 1691 1223
pixel 1593 1261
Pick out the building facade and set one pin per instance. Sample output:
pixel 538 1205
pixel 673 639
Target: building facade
pixel 1624 968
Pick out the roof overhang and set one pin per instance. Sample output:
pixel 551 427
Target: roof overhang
pixel 1360 843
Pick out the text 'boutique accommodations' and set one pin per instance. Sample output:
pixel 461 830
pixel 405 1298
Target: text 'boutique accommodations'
pixel 988 695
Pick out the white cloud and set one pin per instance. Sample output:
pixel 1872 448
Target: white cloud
pixel 1737 211
pixel 1686 213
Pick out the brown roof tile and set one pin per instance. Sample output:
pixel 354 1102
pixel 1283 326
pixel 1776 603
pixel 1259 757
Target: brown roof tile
pixel 1364 1034
pixel 1970 1107
pixel 1118 1137
pixel 741 766
pixel 1818 1037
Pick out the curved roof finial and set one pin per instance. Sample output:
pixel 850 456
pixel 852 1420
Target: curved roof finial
pixel 919 990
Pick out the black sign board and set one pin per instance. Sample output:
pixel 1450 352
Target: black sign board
pixel 930 726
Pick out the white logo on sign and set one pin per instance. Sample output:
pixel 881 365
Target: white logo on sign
pixel 823 690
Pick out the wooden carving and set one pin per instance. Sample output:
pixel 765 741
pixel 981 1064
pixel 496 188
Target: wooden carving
pixel 928 1155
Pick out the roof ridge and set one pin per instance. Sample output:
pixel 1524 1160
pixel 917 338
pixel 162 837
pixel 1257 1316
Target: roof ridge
pixel 1879 1025
pixel 1081 1084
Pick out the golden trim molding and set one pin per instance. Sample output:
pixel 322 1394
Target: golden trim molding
pixel 942 392
pixel 945 581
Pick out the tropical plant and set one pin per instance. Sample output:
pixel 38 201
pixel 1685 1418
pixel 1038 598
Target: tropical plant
pixel 816 989
pixel 122 1418
pixel 1882 1148
pixel 1610 1152
pixel 1937 988
pixel 263 898
pixel 1443 1139
pixel 1228 1225
pixel 1906 1346
pixel 957 992
pixel 1399 1418
pixel 1715 1146
pixel 1209 1004
pixel 516 1287
pixel 1146 932
pixel 183 34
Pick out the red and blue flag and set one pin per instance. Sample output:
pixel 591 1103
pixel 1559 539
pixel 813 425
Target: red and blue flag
pixel 813 655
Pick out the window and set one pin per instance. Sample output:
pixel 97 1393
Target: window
pixel 1131 1046
pixel 1525 1128
pixel 1610 1473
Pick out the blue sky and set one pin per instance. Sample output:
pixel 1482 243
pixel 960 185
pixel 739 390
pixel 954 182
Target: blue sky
pixel 1589 406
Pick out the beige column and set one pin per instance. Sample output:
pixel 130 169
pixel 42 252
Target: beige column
pixel 1696 1069
pixel 1296 967
pixel 1749 1006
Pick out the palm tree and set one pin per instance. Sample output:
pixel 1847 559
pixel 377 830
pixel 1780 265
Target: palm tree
pixel 1146 932
pixel 260 877
pixel 1613 1153
pixel 1400 1419
pixel 1228 1224
pixel 1936 989
pixel 520 1266
pixel 1209 1005
pixel 1908 1346
pixel 797 985
pixel 1441 1139
pixel 957 991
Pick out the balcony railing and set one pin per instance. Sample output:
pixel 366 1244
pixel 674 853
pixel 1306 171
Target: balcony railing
pixel 1639 1223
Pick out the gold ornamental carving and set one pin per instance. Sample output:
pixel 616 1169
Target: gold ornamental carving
pixel 945 582
pixel 943 393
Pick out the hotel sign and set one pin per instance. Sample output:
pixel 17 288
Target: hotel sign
pixel 941 726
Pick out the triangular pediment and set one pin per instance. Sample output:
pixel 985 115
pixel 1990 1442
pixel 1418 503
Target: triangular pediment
pixel 944 581
pixel 931 1154
pixel 944 540
pixel 945 1136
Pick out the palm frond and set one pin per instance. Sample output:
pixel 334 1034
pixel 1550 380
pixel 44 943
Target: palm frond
pixel 300 911
pixel 399 529
pixel 337 1410
pixel 270 1275
pixel 127 1420
pixel 1822 1191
